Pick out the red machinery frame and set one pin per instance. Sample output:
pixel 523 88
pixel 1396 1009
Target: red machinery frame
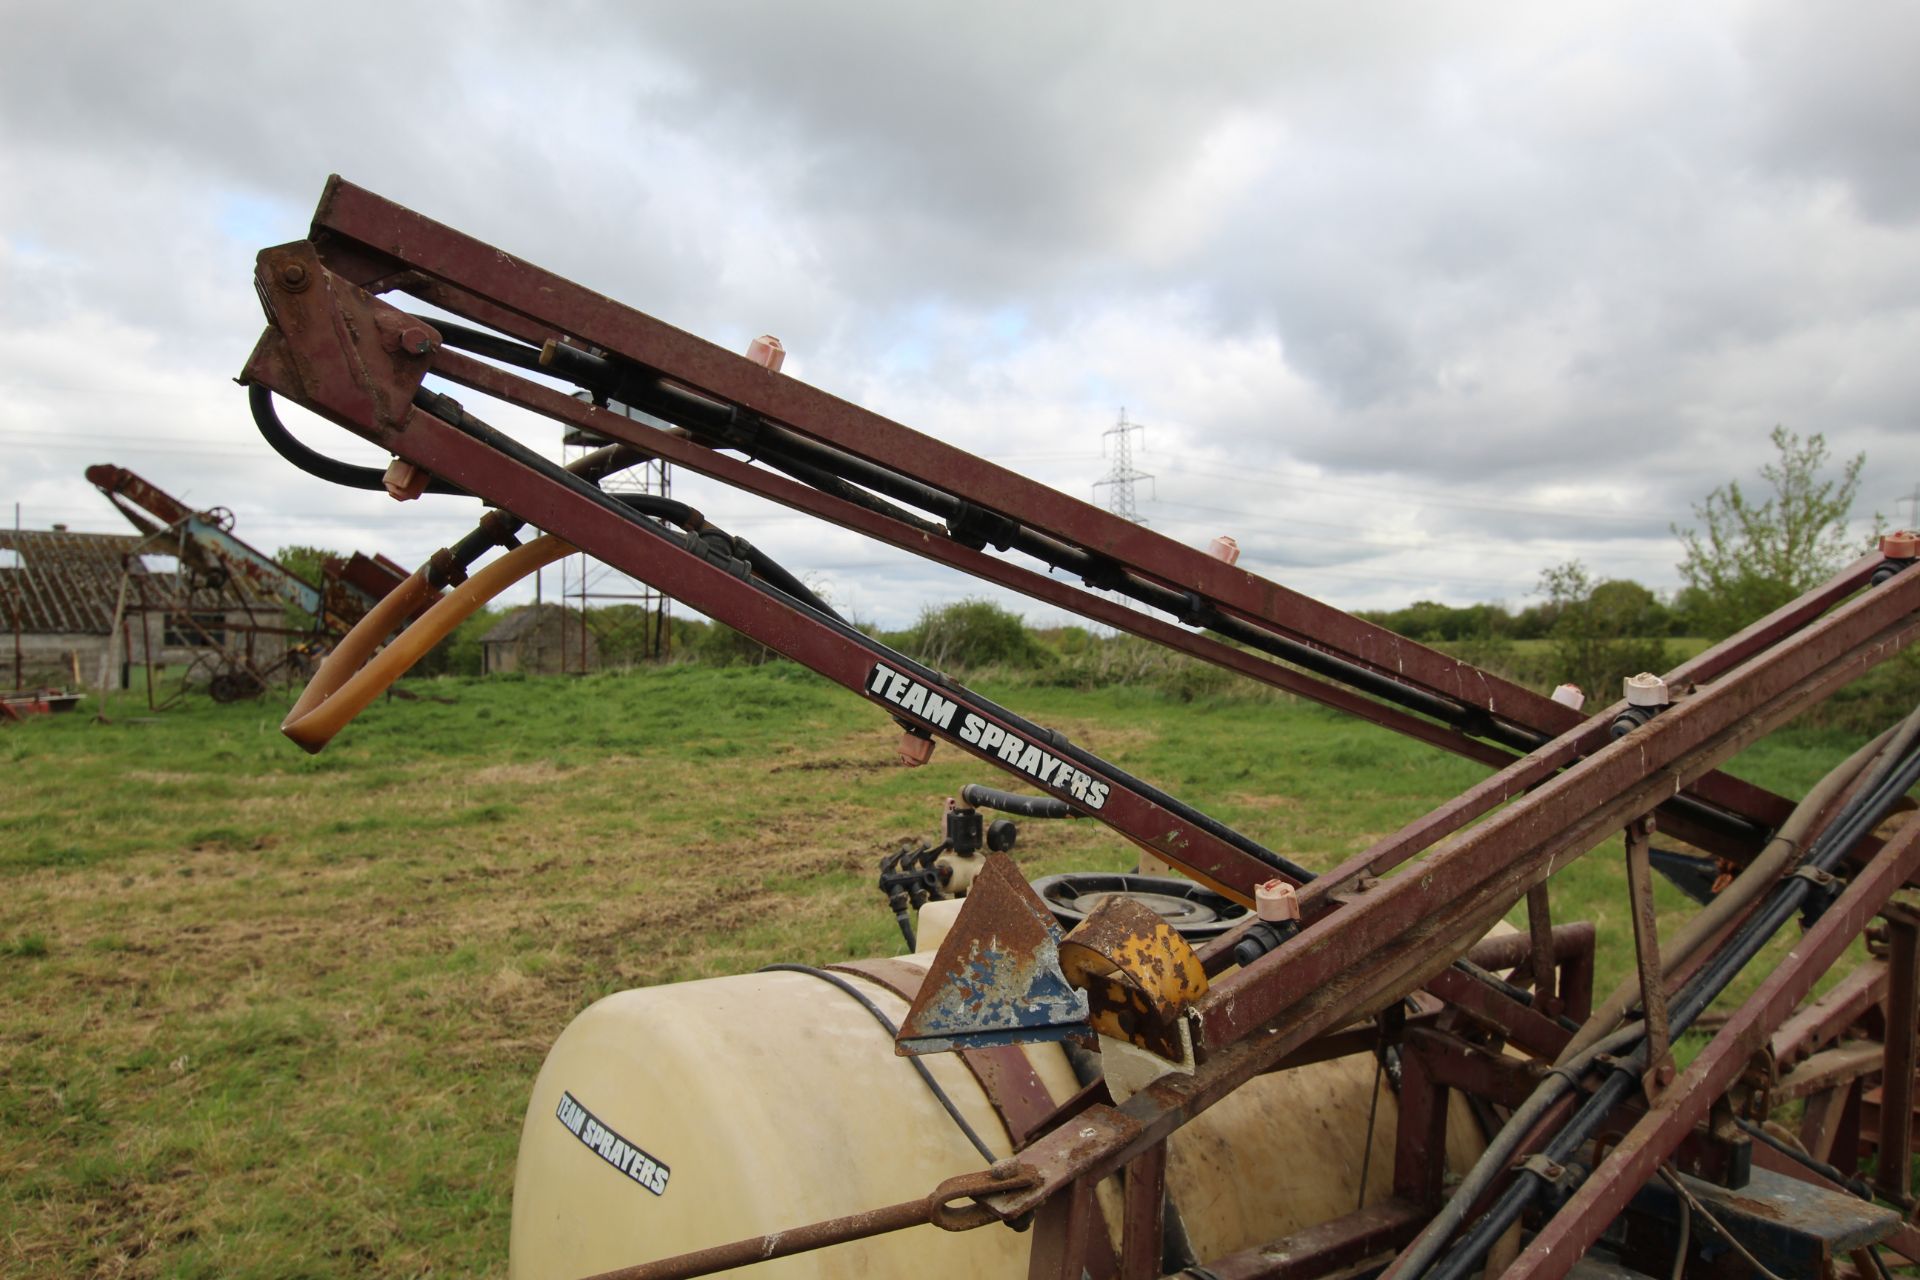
pixel 1370 938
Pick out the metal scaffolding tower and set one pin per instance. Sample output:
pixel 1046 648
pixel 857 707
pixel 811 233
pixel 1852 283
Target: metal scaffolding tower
pixel 634 622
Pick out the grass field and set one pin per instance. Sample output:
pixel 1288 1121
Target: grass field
pixel 276 1015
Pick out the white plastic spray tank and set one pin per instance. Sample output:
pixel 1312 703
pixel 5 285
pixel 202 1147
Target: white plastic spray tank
pixel 678 1117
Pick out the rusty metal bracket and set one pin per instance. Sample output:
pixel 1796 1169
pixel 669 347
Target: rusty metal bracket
pixel 996 978
pixel 1540 962
pixel 1551 1172
pixel 1018 1095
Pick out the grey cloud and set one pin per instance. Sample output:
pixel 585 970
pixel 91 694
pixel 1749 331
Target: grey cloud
pixel 1487 251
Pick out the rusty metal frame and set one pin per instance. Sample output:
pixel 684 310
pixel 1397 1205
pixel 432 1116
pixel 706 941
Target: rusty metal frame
pixel 1388 922
pixel 372 242
pixel 1628 1166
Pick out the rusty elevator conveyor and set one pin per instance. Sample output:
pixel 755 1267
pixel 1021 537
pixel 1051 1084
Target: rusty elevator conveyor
pixel 1373 957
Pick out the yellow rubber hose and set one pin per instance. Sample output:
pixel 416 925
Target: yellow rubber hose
pixel 353 675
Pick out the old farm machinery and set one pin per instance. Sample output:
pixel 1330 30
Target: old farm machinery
pixel 238 617
pixel 1360 1073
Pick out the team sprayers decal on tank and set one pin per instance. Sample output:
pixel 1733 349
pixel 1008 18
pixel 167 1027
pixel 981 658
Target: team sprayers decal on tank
pixel 915 699
pixel 611 1147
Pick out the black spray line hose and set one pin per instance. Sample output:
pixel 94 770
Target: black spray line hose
pixel 1862 814
pixel 831 470
pixel 492 345
pixel 632 507
pixel 980 797
pixel 842 475
pixel 347 474
pixel 893 1033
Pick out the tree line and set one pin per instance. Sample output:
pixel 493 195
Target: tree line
pixel 1747 552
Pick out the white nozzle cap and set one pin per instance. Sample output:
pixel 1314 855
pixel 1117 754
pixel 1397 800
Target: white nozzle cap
pixel 1646 690
pixel 1275 900
pixel 1570 695
pixel 767 352
pixel 1225 547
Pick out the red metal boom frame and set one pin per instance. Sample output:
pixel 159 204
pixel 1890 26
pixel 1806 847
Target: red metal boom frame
pixel 1370 938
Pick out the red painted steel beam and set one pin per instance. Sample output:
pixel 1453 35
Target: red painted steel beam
pixel 1527 1028
pixel 1685 1104
pixel 1419 943
pixel 1826 1018
pixel 388 245
pixel 1494 864
pixel 372 224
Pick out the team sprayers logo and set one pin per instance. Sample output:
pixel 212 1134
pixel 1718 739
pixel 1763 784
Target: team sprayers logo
pixel 611 1147
pixel 916 700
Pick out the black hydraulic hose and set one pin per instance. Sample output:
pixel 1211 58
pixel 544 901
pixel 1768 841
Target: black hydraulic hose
pixel 350 475
pixel 1520 996
pixel 1865 811
pixel 449 410
pixel 492 345
pixel 499 528
pixel 834 486
pixel 893 1032
pixel 813 462
pixel 1007 802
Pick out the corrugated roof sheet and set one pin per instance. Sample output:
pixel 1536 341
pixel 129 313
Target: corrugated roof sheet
pixel 61 583
pixel 517 624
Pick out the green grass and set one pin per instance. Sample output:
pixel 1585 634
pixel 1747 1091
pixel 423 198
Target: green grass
pixel 277 1015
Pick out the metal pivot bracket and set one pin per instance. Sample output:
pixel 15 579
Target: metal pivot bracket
pixel 996 978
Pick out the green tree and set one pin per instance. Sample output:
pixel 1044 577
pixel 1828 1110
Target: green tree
pixel 307 563
pixel 1752 557
pixel 972 634
pixel 1597 631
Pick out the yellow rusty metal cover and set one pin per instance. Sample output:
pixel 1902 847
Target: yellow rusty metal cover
pixel 1138 972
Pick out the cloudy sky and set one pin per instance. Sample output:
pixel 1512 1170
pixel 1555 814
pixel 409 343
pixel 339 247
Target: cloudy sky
pixel 1412 299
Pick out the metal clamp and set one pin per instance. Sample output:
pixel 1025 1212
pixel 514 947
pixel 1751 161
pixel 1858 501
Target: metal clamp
pixel 1816 877
pixel 1551 1172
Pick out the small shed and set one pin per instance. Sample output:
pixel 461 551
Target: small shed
pixel 541 639
pixel 58 591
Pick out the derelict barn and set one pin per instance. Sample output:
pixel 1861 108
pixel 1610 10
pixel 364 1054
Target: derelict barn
pixel 541 639
pixel 60 593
